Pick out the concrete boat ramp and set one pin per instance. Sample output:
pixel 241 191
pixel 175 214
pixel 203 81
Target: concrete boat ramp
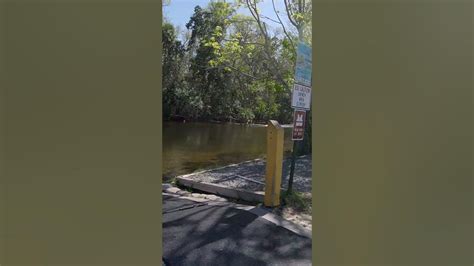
pixel 246 180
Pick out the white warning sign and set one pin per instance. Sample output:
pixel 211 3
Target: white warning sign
pixel 301 97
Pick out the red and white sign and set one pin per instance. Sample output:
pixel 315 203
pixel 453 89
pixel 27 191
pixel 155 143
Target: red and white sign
pixel 298 124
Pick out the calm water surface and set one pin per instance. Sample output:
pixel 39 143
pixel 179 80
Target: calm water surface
pixel 188 147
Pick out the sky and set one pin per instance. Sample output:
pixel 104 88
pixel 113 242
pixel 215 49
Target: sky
pixel 179 11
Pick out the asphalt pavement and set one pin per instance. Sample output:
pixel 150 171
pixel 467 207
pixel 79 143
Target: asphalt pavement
pixel 197 233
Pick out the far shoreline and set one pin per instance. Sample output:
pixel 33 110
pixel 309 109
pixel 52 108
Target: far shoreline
pixel 180 119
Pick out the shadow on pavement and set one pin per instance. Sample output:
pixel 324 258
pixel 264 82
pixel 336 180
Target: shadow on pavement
pixel 222 235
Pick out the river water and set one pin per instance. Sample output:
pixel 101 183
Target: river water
pixel 188 147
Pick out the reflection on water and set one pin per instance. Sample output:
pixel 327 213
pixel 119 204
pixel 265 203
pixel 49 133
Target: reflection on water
pixel 188 147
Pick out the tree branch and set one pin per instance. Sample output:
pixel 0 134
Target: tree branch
pixel 243 73
pixel 253 10
pixel 290 14
pixel 284 29
pixel 245 43
pixel 265 17
pixel 229 66
pixel 252 6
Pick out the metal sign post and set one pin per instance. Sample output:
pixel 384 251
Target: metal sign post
pixel 300 100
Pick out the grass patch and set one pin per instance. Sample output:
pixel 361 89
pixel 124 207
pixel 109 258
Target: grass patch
pixel 173 181
pixel 298 201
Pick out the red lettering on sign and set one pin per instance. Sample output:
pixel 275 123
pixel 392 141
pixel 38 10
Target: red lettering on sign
pixel 298 124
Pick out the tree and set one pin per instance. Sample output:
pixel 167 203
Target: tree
pixel 208 28
pixel 299 13
pixel 226 69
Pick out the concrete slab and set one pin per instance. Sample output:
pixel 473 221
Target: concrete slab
pixel 221 190
pixel 246 180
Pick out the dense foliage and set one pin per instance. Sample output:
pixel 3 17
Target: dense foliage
pixel 231 67
pixel 223 70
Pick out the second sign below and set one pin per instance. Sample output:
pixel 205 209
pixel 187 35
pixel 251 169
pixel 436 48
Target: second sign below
pixel 298 124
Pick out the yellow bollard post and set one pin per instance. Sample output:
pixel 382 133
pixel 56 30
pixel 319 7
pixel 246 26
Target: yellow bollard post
pixel 274 164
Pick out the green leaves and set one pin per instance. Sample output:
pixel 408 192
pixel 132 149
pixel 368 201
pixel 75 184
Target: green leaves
pixel 218 31
pixel 298 17
pixel 227 70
